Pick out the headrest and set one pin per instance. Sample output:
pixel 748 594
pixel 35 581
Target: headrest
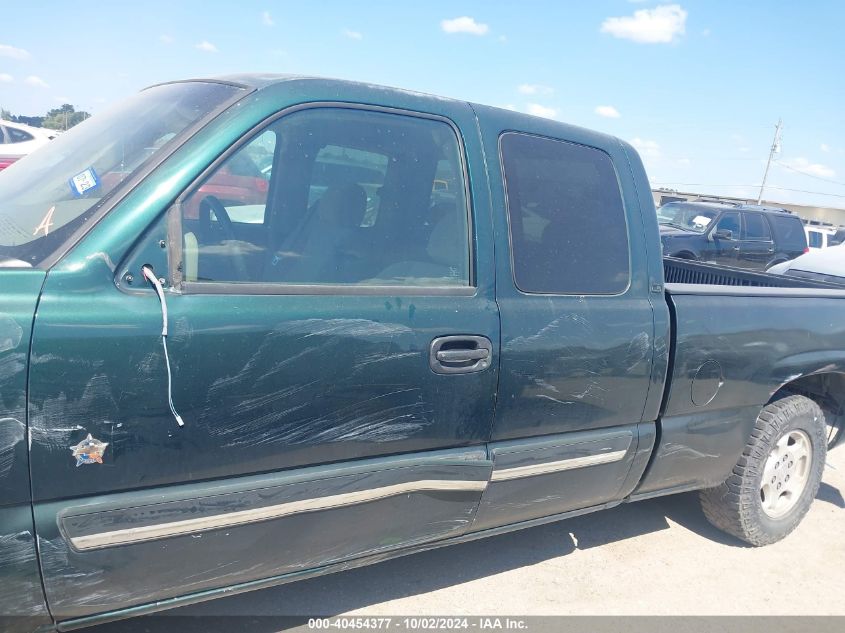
pixel 343 205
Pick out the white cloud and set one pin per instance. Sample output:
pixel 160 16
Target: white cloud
pixel 6 78
pixel 510 106
pixel 705 33
pixel 267 19
pixel 540 110
pixel 464 24
pixel 804 166
pixel 61 99
pixel 608 111
pixel 660 25
pixel 503 38
pixel 13 52
pixel 35 81
pixel 165 39
pixel 353 35
pixel 206 47
pixel 684 162
pixel 646 147
pixel 535 89
pixel 824 147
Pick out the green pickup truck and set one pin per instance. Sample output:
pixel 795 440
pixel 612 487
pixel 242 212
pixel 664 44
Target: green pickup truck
pixel 258 328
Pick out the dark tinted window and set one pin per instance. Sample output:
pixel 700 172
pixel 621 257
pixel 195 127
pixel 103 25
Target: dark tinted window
pixel 789 232
pixel 756 227
pixel 567 222
pixel 18 136
pixel 730 222
pixel 345 197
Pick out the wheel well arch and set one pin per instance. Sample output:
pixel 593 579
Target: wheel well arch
pixel 827 389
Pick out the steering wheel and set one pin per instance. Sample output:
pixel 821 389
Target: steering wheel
pixel 212 203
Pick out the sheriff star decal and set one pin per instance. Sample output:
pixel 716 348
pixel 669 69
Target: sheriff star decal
pixel 89 451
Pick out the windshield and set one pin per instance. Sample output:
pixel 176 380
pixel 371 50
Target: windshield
pixel 46 196
pixel 685 217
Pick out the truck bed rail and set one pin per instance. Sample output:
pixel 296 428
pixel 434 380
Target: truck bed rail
pixel 684 271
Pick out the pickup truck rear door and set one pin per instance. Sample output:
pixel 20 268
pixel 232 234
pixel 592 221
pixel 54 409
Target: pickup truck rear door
pixel 578 331
pixel 334 353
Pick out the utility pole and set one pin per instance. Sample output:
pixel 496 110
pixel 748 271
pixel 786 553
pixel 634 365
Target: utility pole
pixel 772 152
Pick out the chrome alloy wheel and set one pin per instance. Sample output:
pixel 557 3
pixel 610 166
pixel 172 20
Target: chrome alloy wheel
pixel 786 473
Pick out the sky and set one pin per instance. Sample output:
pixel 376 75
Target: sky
pixel 696 86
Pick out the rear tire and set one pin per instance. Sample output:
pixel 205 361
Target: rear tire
pixel 777 477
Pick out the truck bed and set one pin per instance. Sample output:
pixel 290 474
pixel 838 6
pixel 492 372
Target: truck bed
pixel 738 337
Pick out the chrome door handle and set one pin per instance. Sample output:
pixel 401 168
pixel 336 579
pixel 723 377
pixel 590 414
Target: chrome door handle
pixel 461 355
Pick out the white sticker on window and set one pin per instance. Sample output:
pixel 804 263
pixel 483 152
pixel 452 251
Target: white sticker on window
pixel 84 181
pixel 701 220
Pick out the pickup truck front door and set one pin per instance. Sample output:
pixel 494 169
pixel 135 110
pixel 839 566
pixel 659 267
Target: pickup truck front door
pixel 333 343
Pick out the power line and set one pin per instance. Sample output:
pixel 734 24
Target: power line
pixel 803 173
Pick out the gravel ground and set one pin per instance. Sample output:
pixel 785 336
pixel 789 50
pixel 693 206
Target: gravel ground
pixel 653 557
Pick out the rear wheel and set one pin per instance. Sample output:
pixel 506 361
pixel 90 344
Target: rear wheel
pixel 777 477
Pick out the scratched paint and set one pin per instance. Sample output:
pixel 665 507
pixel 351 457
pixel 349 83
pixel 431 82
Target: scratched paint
pixel 22 607
pixel 572 363
pixel 59 421
pixel 10 333
pixel 285 415
pixel 12 433
pixel 260 391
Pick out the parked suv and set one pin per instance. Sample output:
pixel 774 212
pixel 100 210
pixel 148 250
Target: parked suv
pixel 741 235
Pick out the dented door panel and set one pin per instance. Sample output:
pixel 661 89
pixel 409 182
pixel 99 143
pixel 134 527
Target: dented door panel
pixel 22 606
pixel 554 474
pixel 263 383
pixel 117 550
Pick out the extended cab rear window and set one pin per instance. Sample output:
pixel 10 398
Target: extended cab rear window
pixel 567 221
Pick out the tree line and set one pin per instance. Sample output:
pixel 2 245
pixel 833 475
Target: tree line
pixel 61 118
